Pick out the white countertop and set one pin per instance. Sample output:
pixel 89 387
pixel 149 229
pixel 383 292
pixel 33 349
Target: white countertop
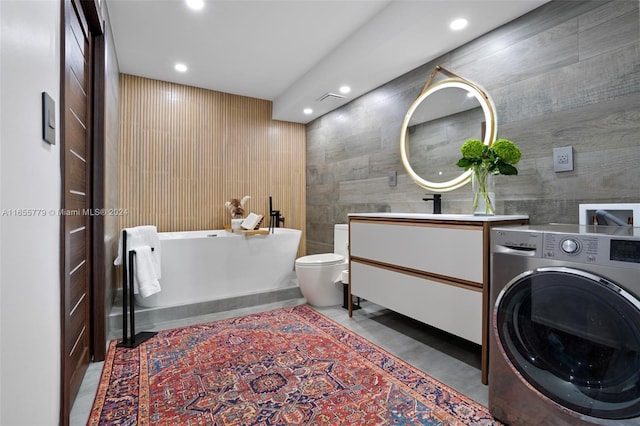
pixel 430 216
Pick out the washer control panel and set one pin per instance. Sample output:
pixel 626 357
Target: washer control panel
pixel 577 248
pixel 576 244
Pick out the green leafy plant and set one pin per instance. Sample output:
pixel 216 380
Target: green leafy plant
pixel 497 159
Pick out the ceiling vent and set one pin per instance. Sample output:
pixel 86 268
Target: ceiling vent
pixel 330 95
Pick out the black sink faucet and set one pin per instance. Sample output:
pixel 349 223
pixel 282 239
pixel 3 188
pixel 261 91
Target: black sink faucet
pixel 437 203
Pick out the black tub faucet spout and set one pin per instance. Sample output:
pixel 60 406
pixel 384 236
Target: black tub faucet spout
pixel 275 219
pixel 437 203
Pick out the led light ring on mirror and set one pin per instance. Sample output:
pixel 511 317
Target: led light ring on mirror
pixel 489 134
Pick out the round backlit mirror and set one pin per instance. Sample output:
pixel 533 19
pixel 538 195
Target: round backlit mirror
pixel 439 121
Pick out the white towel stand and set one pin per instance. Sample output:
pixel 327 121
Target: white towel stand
pixel 130 340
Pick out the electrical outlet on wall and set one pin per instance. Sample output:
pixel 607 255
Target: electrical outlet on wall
pixel 563 159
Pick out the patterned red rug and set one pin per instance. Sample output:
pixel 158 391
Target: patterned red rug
pixel 289 366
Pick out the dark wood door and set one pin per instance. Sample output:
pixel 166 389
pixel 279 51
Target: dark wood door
pixel 78 138
pixel 76 183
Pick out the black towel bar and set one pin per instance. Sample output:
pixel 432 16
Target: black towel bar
pixel 130 340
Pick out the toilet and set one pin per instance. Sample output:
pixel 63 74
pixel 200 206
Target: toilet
pixel 320 275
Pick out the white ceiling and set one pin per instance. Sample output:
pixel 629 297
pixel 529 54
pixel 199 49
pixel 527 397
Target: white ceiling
pixel 294 51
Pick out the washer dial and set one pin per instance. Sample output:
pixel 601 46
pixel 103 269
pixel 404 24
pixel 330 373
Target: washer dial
pixel 570 246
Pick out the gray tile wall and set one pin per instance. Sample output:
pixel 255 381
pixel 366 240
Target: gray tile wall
pixel 567 73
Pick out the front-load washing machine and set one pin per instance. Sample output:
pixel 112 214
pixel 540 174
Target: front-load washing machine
pixel 565 331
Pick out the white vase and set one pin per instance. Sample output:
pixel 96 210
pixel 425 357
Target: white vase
pixel 235 224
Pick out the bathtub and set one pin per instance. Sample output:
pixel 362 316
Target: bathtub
pixel 199 266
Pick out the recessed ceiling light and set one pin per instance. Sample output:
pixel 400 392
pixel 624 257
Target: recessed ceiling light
pixel 195 4
pixel 458 24
pixel 180 67
pixel 345 89
pixel 307 111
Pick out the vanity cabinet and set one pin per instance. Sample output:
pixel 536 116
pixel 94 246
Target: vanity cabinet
pixel 432 268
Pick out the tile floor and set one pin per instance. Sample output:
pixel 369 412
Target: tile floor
pixel 447 358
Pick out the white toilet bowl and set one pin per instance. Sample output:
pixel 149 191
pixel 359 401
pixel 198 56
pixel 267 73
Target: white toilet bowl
pixel 319 278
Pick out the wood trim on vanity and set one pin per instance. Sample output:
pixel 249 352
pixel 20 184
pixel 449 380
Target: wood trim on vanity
pixel 435 223
pixel 443 279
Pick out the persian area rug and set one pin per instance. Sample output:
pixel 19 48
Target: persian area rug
pixel 291 366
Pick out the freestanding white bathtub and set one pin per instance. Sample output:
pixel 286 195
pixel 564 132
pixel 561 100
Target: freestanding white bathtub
pixel 199 266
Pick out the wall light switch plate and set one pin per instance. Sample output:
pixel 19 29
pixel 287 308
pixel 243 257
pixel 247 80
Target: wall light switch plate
pixel 48 119
pixel 563 159
pixel 393 178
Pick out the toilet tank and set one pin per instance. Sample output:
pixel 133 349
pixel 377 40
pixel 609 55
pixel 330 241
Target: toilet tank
pixel 341 239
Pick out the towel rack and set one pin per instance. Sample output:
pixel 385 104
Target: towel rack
pixel 130 340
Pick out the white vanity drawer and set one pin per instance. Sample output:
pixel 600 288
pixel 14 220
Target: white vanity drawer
pixel 450 251
pixel 450 308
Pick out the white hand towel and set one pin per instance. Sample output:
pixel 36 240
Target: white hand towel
pixel 142 236
pixel 145 278
pixel 148 236
pixel 139 237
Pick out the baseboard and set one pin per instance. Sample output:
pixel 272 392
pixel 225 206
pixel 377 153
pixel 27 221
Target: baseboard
pixel 148 317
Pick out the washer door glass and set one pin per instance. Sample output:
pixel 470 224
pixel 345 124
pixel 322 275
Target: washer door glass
pixel 575 337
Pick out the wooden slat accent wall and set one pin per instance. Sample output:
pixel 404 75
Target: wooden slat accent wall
pixel 185 151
